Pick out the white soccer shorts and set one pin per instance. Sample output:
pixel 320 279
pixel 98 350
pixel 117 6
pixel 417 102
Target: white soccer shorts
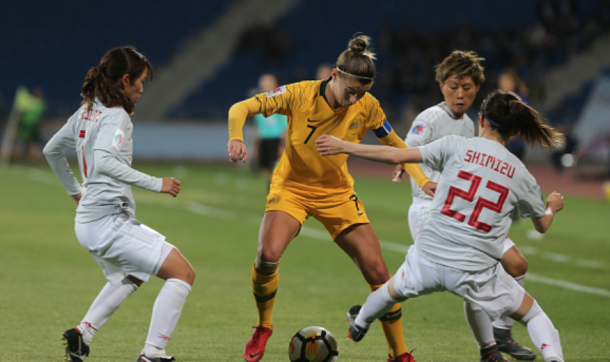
pixel 493 288
pixel 123 246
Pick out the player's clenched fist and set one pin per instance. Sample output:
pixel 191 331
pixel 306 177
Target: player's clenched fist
pixel 237 151
pixel 170 186
pixel 555 201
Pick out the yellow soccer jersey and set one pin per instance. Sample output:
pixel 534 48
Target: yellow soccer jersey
pixel 310 116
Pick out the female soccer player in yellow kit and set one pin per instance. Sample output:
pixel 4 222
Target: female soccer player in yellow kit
pixel 306 184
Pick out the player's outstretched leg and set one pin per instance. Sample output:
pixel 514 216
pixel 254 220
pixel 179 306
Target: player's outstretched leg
pixel 76 349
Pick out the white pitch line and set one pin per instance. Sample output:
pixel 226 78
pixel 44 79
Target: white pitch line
pixel 201 209
pixel 560 258
pixel 567 285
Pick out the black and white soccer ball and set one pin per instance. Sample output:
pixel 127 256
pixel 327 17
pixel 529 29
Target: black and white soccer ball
pixel 313 344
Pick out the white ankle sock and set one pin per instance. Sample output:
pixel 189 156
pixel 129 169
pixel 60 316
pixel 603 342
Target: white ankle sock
pixel 377 305
pixel 165 316
pixel 107 302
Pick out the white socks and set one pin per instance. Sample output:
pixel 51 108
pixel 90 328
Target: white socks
pixel 165 316
pixel 377 305
pixel 506 322
pixel 106 303
pixel 543 333
pixel 479 324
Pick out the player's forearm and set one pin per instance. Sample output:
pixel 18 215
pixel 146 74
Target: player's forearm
pixel 542 224
pixel 412 169
pixel 237 118
pixel 109 166
pixel 384 154
pixel 60 166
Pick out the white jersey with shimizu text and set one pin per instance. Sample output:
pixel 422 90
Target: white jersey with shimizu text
pixel 480 184
pixel 102 139
pixel 430 125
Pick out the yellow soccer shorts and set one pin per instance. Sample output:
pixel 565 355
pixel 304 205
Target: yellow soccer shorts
pixel 336 211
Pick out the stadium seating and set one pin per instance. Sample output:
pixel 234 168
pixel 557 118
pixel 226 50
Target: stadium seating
pixel 52 45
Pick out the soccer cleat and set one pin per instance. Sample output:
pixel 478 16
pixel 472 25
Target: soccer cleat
pixel 143 358
pixel 507 344
pixel 491 354
pixel 255 348
pixel 76 349
pixel 354 332
pixel 405 357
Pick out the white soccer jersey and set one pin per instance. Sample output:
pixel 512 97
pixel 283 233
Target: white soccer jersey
pixel 430 125
pixel 102 140
pixel 481 183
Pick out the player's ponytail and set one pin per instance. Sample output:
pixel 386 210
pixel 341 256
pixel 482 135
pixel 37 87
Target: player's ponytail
pixel 508 115
pixel 102 81
pixel 357 61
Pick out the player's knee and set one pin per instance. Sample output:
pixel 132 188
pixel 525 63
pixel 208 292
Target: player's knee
pixel 189 276
pixel 268 257
pixel 516 267
pixel 376 274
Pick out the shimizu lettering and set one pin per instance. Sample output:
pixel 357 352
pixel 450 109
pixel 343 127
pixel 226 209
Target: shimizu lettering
pixel 491 162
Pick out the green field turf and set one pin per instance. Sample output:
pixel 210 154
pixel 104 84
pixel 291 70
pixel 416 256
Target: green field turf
pixel 47 280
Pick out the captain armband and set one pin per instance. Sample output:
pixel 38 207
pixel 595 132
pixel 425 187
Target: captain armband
pixel 384 130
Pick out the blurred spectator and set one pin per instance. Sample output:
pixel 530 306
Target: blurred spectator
pixel 562 27
pixel 270 42
pixel 31 106
pixel 510 81
pixel 566 155
pixel 269 132
pixel 324 71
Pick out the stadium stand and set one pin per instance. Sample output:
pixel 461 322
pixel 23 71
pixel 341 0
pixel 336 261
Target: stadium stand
pixel 66 38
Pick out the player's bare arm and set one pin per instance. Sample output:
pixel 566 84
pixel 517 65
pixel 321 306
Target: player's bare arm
pixel 554 204
pixel 329 145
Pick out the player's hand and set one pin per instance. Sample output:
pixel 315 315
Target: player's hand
pixel 555 201
pixel 329 145
pixel 397 174
pixel 77 198
pixel 170 186
pixel 430 188
pixel 237 151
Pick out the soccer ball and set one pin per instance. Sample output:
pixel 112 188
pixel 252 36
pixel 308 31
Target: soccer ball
pixel 313 344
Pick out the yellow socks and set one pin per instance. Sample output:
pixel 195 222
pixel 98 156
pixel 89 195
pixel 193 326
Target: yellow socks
pixel 392 328
pixel 264 288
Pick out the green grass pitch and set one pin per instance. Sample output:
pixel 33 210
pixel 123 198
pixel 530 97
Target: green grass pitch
pixel 48 281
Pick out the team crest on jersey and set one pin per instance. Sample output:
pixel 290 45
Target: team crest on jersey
pixel 354 125
pixel 119 135
pixel 418 129
pixel 275 199
pixel 276 91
